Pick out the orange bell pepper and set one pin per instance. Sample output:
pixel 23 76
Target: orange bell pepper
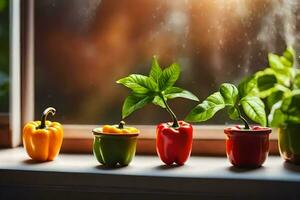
pixel 43 139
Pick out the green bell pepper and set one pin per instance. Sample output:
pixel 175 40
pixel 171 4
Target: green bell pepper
pixel 114 149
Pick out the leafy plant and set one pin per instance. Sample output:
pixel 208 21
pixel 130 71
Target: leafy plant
pixel 234 100
pixel 279 86
pixel 157 88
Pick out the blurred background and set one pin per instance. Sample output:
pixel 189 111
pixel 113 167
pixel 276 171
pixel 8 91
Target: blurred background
pixel 83 46
pixel 4 56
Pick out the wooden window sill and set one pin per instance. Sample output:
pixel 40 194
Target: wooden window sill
pixel 76 176
pixel 209 140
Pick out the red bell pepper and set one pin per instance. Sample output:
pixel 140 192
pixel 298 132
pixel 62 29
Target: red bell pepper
pixel 174 144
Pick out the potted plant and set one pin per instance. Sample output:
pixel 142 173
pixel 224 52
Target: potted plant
pixel 279 86
pixel 115 145
pixel 173 139
pixel 246 146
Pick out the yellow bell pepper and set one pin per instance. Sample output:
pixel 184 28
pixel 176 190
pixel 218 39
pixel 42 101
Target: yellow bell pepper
pixel 121 128
pixel 43 139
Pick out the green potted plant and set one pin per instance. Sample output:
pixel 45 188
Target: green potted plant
pixel 279 86
pixel 246 146
pixel 174 139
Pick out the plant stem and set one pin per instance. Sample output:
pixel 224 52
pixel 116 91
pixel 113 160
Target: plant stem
pixel 243 119
pixel 245 122
pixel 174 118
pixel 46 112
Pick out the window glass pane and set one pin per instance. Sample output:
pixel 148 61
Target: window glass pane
pixel 4 56
pixel 83 47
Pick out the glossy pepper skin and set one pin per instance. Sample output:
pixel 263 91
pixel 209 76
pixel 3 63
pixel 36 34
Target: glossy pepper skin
pixel 43 139
pixel 114 149
pixel 247 148
pixel 174 145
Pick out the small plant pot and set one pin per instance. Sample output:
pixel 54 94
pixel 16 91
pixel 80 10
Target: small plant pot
pixel 289 143
pixel 114 149
pixel 247 148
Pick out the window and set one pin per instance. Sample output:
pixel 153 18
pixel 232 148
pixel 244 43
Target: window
pixel 83 47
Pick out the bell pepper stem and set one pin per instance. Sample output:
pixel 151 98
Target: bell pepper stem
pixel 45 114
pixel 174 118
pixel 121 125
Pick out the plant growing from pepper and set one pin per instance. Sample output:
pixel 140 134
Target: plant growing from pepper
pixel 246 146
pixel 43 139
pixel 174 140
pixel 235 100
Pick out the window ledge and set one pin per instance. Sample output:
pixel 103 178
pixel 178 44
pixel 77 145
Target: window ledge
pixel 146 177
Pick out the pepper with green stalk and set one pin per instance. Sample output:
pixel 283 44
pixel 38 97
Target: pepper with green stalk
pixel 174 139
pixel 246 146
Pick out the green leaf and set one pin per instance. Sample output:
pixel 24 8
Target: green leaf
pixel 254 108
pixel 169 76
pixel 247 87
pixel 233 113
pixel 274 98
pixel 134 102
pixel 290 54
pixel 155 71
pixel 266 82
pixel 291 119
pixel 283 77
pixel 297 81
pixel 276 117
pixel 229 93
pixel 286 62
pixel 175 92
pixel 291 104
pixel 281 66
pixel 139 83
pixel 207 108
pixel 286 109
pixel 158 101
pixel 275 62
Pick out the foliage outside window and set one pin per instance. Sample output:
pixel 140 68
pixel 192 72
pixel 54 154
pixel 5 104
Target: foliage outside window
pixel 4 55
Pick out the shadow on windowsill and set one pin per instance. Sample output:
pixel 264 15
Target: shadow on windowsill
pixel 104 167
pixel 167 167
pixel 243 169
pixel 291 167
pixel 33 162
